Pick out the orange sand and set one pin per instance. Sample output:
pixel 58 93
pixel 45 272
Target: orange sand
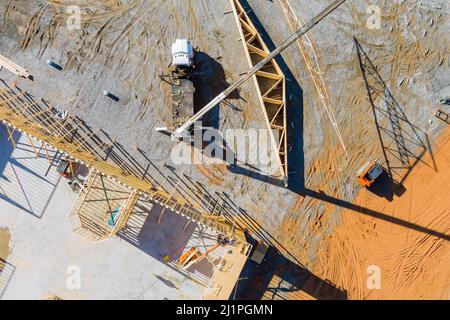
pixel 413 264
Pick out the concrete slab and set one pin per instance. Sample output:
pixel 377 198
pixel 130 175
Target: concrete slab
pixel 47 258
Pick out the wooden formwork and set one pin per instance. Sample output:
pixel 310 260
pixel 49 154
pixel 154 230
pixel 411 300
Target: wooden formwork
pixel 270 85
pixel 38 121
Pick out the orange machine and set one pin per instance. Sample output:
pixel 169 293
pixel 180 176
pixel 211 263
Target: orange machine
pixel 65 168
pixel 369 173
pixel 193 255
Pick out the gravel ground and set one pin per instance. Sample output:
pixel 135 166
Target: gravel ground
pixel 124 45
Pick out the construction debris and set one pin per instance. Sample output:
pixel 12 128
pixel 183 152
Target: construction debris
pixel 54 65
pixel 108 94
pixel 14 68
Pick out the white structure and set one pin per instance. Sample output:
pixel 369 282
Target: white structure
pixel 182 53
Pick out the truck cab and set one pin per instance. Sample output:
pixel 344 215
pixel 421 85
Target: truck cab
pixel 369 173
pixel 182 54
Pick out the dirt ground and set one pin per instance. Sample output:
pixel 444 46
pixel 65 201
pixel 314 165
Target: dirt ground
pixel 414 263
pixel 388 80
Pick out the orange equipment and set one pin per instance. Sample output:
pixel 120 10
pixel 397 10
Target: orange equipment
pixel 369 173
pixel 65 168
pixel 194 255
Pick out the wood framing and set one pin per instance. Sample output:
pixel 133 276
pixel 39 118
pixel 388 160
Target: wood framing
pixel 227 272
pixel 102 208
pixel 14 68
pixel 39 121
pixel 310 60
pixel 270 85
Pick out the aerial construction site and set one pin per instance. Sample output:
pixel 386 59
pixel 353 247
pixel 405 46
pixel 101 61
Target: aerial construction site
pixel 224 150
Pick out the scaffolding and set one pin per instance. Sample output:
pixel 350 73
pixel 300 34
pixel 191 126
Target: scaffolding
pixel 95 216
pixel 270 85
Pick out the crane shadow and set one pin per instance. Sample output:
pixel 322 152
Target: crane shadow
pixel 409 146
pixel 402 146
pixel 139 164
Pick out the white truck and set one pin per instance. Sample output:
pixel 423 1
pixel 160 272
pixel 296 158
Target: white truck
pixel 182 54
pixel 180 79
